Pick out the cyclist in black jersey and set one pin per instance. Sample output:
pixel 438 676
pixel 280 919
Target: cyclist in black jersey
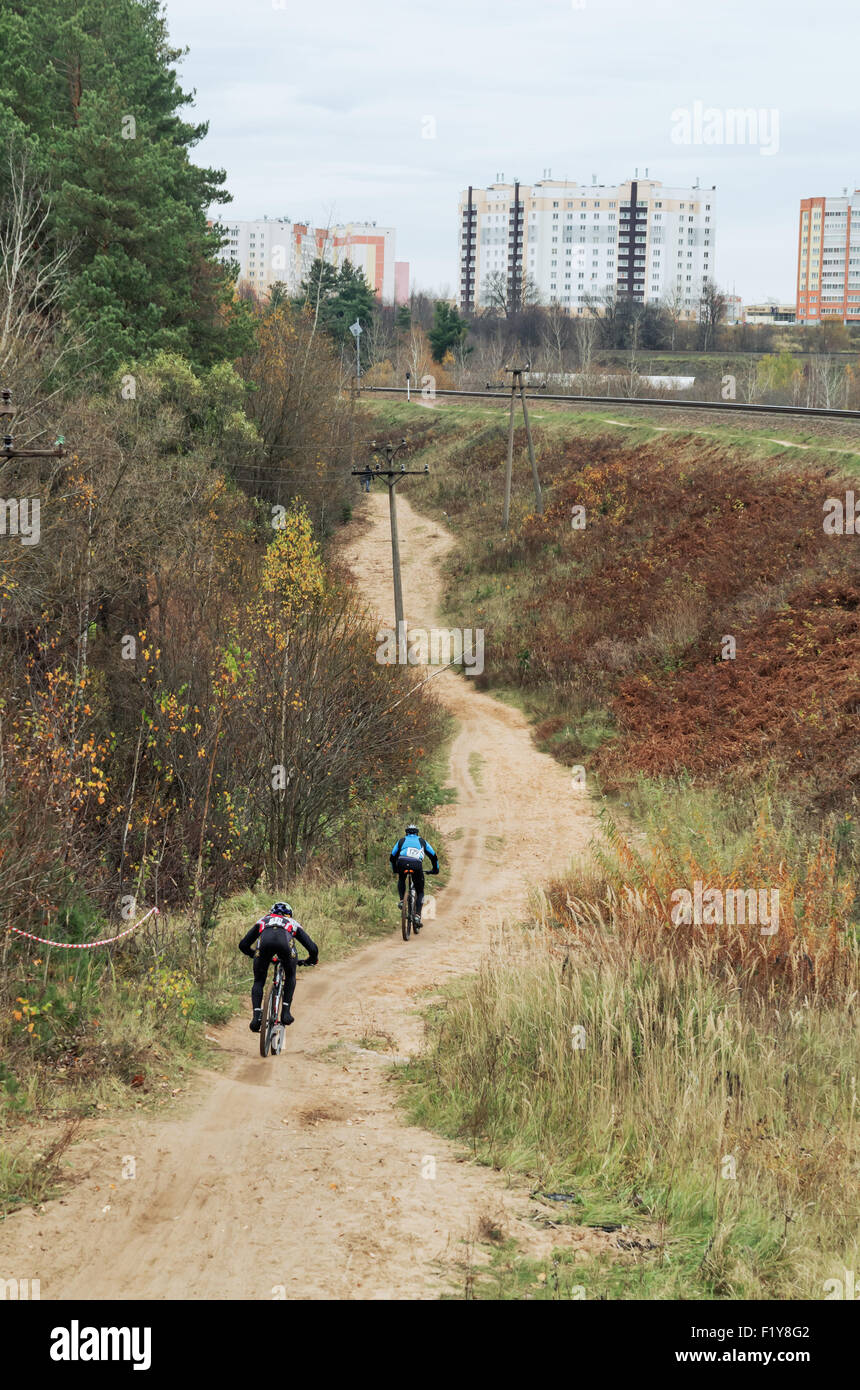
pixel 275 935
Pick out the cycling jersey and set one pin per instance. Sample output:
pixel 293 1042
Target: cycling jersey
pixel 412 848
pixel 289 925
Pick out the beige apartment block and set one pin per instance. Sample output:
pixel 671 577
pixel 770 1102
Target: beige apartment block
pixel 567 243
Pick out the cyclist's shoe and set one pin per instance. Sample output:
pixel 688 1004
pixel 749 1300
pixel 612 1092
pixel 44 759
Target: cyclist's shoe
pixel 286 1016
pixel 416 920
pixel 257 1021
pixel 400 904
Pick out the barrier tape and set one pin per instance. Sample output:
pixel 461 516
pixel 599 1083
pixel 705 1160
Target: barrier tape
pixel 84 945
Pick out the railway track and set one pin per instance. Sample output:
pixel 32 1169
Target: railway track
pixel 619 401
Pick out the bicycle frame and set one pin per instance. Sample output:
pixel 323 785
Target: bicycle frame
pixel 279 980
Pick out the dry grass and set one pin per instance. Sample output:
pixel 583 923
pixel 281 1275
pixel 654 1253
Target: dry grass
pixel 693 1079
pixel 734 1127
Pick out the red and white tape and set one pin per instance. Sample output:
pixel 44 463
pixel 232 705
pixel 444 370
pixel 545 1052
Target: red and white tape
pixel 84 945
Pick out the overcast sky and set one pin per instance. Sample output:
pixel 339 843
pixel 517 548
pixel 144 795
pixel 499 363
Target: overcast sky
pixel 320 111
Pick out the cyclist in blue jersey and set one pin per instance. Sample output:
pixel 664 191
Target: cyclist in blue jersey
pixel 408 853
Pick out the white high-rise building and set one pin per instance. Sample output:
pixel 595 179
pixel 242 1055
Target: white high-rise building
pixel 564 243
pixel 273 249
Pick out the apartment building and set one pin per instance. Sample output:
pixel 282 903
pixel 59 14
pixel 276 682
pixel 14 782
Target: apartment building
pixel 269 249
pixel 828 259
pixel 371 250
pixel 567 242
pixel 274 249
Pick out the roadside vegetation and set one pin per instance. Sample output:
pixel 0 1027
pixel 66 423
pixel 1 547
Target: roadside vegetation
pixel 690 1089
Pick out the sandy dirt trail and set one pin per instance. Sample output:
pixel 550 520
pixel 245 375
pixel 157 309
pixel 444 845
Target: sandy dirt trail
pixel 307 1155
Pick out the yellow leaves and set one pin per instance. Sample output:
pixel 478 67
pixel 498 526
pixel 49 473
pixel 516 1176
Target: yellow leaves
pixel 293 570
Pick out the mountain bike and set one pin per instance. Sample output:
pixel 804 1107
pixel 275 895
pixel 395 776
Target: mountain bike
pixel 272 1029
pixel 407 910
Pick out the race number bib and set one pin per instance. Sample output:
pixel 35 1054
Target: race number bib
pixel 413 853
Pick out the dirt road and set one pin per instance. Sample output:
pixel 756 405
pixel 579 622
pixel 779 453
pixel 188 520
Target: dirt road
pixel 296 1176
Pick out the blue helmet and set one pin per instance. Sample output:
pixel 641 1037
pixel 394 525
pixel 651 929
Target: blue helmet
pixel 281 910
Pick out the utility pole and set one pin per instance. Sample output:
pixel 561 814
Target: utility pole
pixel 8 450
pixel 517 385
pixel 392 476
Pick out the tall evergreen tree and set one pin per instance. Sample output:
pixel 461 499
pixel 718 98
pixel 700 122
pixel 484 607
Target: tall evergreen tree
pixel 448 330
pixel 342 295
pixel 89 90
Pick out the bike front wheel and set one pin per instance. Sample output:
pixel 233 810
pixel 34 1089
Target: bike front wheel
pixel 406 912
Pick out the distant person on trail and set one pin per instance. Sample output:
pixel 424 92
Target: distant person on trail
pixel 275 935
pixel 367 478
pixel 409 853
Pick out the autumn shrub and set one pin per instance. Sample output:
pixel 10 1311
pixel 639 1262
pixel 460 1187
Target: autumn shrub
pixel 772 927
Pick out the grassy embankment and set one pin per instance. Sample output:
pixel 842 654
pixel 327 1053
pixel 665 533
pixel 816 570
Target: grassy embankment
pixel 697 1083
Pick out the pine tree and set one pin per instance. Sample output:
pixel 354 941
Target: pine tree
pixel 448 330
pixel 343 296
pixel 90 91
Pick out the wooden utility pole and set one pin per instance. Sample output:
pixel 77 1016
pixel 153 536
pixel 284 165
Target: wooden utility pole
pixel 392 476
pixel 8 450
pixel 517 385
